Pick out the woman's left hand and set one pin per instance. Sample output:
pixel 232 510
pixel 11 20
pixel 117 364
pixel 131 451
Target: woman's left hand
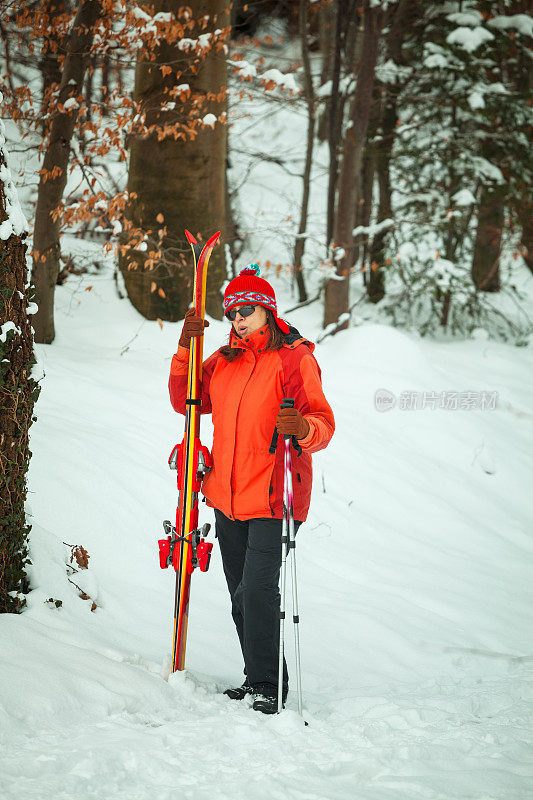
pixel 291 421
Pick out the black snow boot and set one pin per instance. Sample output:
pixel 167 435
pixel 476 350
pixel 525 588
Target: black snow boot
pixel 240 692
pixel 266 698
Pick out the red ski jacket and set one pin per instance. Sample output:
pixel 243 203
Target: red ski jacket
pixel 244 397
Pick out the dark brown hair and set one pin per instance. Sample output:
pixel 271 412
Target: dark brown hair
pixel 274 343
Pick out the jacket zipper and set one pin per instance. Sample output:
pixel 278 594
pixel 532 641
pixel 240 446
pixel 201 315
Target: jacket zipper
pixel 234 441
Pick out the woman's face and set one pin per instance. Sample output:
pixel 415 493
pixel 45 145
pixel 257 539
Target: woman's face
pixel 246 325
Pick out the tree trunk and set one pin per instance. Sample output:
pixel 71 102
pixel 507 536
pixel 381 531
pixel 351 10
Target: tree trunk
pixel 327 50
pixel 382 155
pixel 49 62
pixel 365 197
pixel 401 19
pixel 363 207
pixel 524 212
pixel 337 288
pixel 335 118
pixel 487 247
pixel 53 177
pixel 310 99
pixel 233 238
pixel 182 180
pixel 89 90
pixel 18 393
pixel 521 202
pixel 346 43
pixel 104 88
pixel 452 230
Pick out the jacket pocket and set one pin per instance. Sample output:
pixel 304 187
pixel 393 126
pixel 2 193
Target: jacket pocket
pixel 271 493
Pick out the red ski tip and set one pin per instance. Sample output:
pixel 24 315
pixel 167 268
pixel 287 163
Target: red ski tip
pixel 213 240
pixel 190 237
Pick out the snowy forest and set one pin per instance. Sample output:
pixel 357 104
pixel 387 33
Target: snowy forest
pixel 373 159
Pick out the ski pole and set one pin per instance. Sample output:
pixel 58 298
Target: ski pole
pixel 288 542
pixel 284 542
pixel 292 546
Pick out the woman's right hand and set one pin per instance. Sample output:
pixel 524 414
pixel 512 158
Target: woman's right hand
pixel 192 326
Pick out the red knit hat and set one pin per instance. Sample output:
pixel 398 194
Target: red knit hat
pixel 248 287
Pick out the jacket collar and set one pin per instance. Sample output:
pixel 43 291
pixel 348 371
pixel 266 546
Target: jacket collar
pixel 255 341
pixel 294 338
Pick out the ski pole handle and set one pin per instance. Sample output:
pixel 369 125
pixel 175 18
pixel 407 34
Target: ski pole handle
pixel 287 402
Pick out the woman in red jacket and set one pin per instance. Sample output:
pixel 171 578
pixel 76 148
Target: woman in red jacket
pixel 243 385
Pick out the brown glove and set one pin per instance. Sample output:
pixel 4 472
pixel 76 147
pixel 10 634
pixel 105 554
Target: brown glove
pixel 291 421
pixel 192 326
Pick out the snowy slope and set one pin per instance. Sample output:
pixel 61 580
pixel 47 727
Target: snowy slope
pixel 414 581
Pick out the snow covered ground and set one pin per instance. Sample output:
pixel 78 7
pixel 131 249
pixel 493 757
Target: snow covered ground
pixel 414 581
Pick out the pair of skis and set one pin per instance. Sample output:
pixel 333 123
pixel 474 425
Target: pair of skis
pixel 185 547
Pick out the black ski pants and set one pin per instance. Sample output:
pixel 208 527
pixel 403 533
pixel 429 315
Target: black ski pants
pixel 251 558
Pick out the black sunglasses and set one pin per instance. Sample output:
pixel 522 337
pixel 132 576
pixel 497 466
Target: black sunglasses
pixel 244 311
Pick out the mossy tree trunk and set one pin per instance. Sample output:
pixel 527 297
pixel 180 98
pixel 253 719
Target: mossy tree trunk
pixel 182 180
pixel 18 393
